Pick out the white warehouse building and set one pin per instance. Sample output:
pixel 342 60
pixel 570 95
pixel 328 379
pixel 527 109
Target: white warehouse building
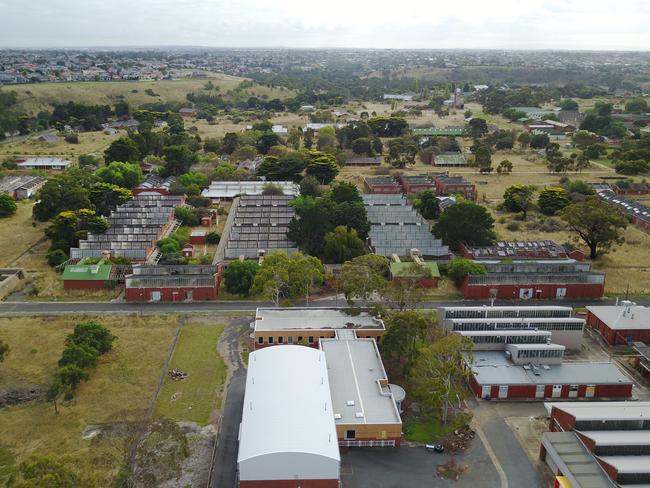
pixel 287 436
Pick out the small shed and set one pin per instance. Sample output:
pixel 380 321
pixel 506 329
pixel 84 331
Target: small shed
pixel 188 251
pixel 198 237
pixel 86 276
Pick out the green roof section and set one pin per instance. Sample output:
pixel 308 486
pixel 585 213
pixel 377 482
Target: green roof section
pixel 404 269
pixel 87 272
pixel 450 159
pixel 441 131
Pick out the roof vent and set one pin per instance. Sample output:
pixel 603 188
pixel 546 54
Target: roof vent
pixel 359 415
pixel 337 416
pixel 350 403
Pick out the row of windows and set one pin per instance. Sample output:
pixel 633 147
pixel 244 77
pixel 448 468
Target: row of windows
pixel 518 326
pixel 300 339
pixel 537 353
pixel 495 339
pixel 492 313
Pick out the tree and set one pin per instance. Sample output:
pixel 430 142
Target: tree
pixel 92 334
pixel 439 372
pixel 595 223
pixel 362 276
pixel 322 166
pixel 569 104
pixel 401 152
pixel 344 191
pixel 282 168
pixel 460 267
pixel 362 145
pixel 637 106
pixel 125 175
pixel 56 257
pixel 539 141
pixel 342 244
pixel 239 276
pixel 294 137
pixel 193 178
pixel 266 142
pixel 213 238
pixel 62 192
pixel 504 167
pixel 483 158
pixel 465 222
pixel 229 143
pixel 81 356
pixel 524 139
pixel 178 160
pixel 406 332
pixel 308 139
pixel 309 186
pixel 123 149
pixel 4 350
pixel 7 205
pixel 551 200
pixel 106 197
pixel 518 198
pixel 427 203
pixel 68 227
pixel 478 127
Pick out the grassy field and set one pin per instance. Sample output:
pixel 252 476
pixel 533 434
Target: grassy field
pixel 18 233
pixel 89 142
pixel 120 388
pixel 36 97
pixel 195 398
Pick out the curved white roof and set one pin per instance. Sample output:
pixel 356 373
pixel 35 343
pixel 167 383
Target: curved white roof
pixel 287 416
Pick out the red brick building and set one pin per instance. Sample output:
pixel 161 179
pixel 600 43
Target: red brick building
pixel 383 184
pixel 449 185
pixel 417 183
pixel 173 283
pixel 621 324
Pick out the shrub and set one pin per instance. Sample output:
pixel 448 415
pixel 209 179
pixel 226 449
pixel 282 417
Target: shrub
pixel 513 226
pixel 459 267
pixel 56 257
pixel 213 238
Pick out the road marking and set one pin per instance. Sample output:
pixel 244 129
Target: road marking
pixel 493 456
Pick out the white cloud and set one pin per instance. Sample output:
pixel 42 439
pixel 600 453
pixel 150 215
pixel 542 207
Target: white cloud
pixel 565 24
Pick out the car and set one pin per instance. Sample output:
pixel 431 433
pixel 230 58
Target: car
pixel 435 448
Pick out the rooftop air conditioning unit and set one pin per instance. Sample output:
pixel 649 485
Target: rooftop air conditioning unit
pixel 350 403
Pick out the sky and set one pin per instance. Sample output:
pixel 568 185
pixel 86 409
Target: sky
pixel 425 24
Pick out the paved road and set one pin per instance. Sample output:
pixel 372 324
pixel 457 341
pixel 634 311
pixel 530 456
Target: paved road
pixel 35 308
pixel 224 469
pixel 516 465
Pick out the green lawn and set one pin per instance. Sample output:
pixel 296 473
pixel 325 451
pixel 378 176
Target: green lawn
pixel 426 430
pixel 194 398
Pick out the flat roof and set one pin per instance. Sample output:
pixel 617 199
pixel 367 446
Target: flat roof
pixel 618 437
pixel 280 417
pixel 603 410
pixel 268 319
pixel 623 317
pixel 492 368
pixel 356 374
pixel 574 461
pixel 230 189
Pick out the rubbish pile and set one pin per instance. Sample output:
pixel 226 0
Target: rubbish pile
pixel 177 375
pixel 451 470
pixel 458 440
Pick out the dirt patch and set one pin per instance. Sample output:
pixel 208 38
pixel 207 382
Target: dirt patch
pixel 18 396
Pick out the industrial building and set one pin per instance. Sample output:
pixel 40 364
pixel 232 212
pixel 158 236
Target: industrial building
pixel 491 328
pixel 454 159
pixel 638 213
pixel 383 185
pixel 416 183
pixel 287 436
pixel 364 405
pixel 155 184
pixel 134 229
pixel 21 187
pixel 620 324
pixel 308 326
pixel 598 445
pixel 449 185
pixel 257 225
pixel 227 190
pixel 86 276
pixel 397 228
pixel 43 163
pixel 519 250
pixel 172 283
pixel 536 372
pixel 526 279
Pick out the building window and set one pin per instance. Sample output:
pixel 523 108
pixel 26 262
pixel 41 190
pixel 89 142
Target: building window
pixel 280 340
pixel 290 339
pixel 271 340
pixel 350 434
pixel 311 339
pixel 260 340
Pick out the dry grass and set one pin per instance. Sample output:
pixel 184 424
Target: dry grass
pixel 89 142
pixel 18 233
pixel 195 398
pixel 36 97
pixel 120 388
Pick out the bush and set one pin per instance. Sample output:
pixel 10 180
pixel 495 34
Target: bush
pixel 513 226
pixel 213 238
pixel 459 267
pixel 56 257
pixel 7 205
pixel 72 139
pixel 238 277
